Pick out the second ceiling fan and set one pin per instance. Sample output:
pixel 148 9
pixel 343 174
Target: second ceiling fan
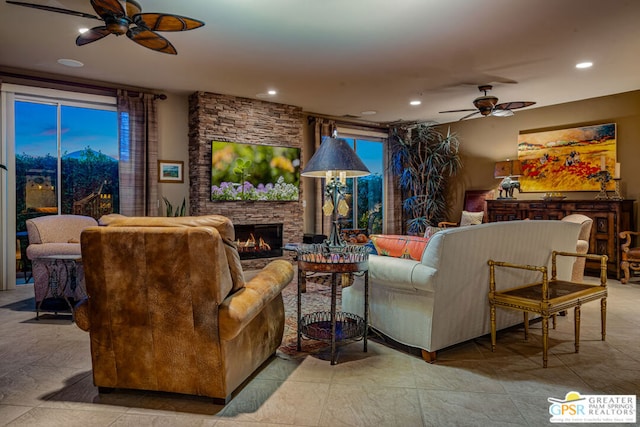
pixel 487 105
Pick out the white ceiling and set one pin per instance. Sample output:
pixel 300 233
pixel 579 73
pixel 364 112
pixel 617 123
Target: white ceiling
pixel 343 57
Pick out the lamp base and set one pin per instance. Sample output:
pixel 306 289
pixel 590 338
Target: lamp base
pixel 335 239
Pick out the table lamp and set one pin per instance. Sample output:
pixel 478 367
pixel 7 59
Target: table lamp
pixel 335 161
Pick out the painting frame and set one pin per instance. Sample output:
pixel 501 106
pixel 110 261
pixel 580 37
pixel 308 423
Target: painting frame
pixel 171 171
pixel 567 159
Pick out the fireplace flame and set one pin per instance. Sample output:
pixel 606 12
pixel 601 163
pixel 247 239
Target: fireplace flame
pixel 264 246
pixel 253 245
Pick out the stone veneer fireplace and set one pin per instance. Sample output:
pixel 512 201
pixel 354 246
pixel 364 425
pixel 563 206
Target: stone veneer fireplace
pixel 229 118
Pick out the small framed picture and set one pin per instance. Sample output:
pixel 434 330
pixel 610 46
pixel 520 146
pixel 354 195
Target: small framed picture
pixel 170 171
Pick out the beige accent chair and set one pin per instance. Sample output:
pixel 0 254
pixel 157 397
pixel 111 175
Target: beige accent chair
pixel 53 235
pixel 168 308
pixel 582 247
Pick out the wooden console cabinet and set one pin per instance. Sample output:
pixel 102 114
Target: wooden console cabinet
pixel 610 217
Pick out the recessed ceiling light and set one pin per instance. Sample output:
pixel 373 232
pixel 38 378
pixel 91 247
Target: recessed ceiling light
pixel 267 94
pixel 415 102
pixel 70 63
pixel 82 30
pixel 586 64
pixel 369 113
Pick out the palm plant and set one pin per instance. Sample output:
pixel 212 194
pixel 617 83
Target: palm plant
pixel 423 159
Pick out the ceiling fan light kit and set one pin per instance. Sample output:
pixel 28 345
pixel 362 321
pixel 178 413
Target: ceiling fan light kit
pixel 125 17
pixel 487 105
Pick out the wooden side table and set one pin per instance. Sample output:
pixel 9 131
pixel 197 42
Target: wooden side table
pixel 333 326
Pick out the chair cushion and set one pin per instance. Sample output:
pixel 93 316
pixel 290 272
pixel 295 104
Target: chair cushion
pixel 48 249
pixel 471 218
pixel 398 246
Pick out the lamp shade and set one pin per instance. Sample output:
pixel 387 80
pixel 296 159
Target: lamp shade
pixel 508 168
pixel 335 155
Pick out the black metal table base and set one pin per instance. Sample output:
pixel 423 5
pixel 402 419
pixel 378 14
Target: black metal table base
pixel 333 326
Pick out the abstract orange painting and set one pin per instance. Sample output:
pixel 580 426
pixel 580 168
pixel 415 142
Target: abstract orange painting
pixel 567 159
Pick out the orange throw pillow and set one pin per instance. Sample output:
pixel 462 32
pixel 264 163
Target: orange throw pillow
pixel 410 247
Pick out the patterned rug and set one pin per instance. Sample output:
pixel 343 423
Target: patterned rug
pixel 317 298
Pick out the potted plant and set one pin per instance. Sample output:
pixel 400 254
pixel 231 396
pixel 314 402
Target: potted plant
pixel 423 159
pixel 178 211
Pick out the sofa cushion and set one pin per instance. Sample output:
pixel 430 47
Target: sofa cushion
pixel 471 218
pixel 371 247
pixel 398 246
pixel 399 273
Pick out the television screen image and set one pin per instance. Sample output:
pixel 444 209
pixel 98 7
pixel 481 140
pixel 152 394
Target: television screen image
pixel 254 172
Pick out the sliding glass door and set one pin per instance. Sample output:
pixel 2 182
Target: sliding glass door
pixel 64 155
pixel 61 149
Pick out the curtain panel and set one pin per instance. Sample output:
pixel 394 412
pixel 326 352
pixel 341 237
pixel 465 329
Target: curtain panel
pixel 138 125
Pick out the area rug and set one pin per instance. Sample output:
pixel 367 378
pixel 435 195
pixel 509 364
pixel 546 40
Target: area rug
pixel 317 298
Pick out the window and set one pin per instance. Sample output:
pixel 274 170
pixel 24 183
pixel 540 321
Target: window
pixel 365 194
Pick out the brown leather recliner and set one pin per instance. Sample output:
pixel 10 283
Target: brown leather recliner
pixel 169 310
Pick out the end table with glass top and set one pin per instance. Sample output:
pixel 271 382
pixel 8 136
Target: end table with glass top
pixel 333 326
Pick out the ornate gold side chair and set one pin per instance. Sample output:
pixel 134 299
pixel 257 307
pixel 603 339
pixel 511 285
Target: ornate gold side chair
pixel 630 257
pixel 547 297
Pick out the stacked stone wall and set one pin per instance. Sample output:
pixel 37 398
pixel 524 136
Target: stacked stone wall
pixel 215 117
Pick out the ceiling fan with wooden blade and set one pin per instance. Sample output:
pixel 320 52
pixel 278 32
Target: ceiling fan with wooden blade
pixel 126 17
pixel 487 105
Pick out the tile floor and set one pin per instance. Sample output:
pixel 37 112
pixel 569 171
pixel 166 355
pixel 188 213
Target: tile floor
pixel 45 378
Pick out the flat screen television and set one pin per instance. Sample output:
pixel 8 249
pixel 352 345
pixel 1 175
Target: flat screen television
pixel 254 172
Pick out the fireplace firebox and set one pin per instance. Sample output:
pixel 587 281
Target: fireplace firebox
pixel 259 240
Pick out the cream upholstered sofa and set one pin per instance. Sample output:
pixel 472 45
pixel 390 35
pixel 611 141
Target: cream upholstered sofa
pixel 169 308
pixel 53 235
pixel 441 300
